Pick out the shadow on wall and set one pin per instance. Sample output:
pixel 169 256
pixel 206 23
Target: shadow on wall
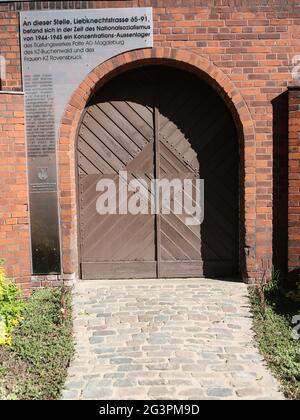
pixel 280 183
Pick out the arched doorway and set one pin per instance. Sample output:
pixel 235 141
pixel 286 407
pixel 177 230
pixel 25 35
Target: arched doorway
pixel 157 121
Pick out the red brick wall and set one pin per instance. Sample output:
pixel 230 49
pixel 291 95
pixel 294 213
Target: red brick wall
pixel 294 183
pixel 10 50
pixel 251 42
pixel 14 228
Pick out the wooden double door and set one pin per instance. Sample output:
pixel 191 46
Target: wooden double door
pixel 162 123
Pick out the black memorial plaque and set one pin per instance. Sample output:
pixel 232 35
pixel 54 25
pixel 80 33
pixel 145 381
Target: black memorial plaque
pixel 59 49
pixel 40 130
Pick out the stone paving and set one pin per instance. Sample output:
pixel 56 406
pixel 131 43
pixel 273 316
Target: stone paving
pixel 165 339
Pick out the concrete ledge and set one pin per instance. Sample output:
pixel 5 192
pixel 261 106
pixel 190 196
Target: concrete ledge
pixel 161 281
pixel 12 92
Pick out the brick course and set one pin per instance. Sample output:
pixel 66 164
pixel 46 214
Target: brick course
pixel 294 183
pixel 249 47
pixel 10 50
pixel 14 227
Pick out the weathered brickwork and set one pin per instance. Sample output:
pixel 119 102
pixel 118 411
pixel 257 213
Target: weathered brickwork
pixel 245 49
pixel 14 228
pixel 10 50
pixel 294 182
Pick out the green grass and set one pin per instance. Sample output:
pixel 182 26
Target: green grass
pixel 35 366
pixel 273 328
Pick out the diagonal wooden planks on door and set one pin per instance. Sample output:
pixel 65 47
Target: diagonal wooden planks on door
pixel 157 122
pixel 116 134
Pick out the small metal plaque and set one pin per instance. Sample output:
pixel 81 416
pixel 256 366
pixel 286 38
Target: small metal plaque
pixel 59 48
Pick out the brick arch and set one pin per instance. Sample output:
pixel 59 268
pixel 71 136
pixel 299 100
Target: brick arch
pixel 102 74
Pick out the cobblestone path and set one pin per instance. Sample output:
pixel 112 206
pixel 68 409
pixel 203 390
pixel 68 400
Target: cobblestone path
pixel 165 339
